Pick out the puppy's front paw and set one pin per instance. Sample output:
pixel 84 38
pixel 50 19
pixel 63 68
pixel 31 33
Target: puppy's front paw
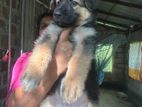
pixel 30 82
pixel 71 90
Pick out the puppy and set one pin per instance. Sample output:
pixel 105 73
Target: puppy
pixel 78 87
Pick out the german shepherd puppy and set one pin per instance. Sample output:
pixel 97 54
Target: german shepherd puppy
pixel 78 87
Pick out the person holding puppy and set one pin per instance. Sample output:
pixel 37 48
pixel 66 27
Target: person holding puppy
pixel 17 97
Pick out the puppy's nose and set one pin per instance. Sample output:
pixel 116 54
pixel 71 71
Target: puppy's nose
pixel 57 14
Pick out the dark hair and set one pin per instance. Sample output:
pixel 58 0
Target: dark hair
pixel 40 19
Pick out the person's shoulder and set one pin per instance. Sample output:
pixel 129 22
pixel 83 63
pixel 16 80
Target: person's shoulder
pixel 24 56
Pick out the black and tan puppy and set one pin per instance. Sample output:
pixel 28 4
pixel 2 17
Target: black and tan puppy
pixel 78 88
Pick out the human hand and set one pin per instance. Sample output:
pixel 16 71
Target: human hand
pixel 60 58
pixel 63 51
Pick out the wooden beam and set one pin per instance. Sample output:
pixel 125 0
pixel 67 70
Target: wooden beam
pixel 124 3
pixel 119 16
pixel 104 25
pixel 137 27
pixel 3 93
pixel 108 25
pixel 112 23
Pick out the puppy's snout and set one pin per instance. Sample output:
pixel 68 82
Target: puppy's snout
pixel 57 14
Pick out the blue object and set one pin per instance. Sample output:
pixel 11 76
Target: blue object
pixel 101 76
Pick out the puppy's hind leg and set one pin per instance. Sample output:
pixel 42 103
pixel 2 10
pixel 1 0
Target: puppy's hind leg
pixel 40 58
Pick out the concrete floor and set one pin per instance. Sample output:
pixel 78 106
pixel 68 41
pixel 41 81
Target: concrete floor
pixel 110 98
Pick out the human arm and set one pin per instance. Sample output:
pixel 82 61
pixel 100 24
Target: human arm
pixel 20 98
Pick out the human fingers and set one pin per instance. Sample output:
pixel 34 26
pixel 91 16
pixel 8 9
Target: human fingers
pixel 65 34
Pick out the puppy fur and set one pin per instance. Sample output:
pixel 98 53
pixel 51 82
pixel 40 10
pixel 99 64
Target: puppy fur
pixel 78 87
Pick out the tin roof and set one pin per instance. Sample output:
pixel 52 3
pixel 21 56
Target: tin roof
pixel 122 14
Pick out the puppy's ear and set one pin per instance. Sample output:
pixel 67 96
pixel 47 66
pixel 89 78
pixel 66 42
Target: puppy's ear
pixel 91 5
pixel 52 5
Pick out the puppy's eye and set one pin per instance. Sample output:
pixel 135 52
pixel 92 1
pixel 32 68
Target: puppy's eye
pixel 58 2
pixel 74 3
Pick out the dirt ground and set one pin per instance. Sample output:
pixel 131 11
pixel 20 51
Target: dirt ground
pixel 111 98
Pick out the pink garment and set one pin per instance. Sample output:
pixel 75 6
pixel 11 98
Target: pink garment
pixel 18 70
